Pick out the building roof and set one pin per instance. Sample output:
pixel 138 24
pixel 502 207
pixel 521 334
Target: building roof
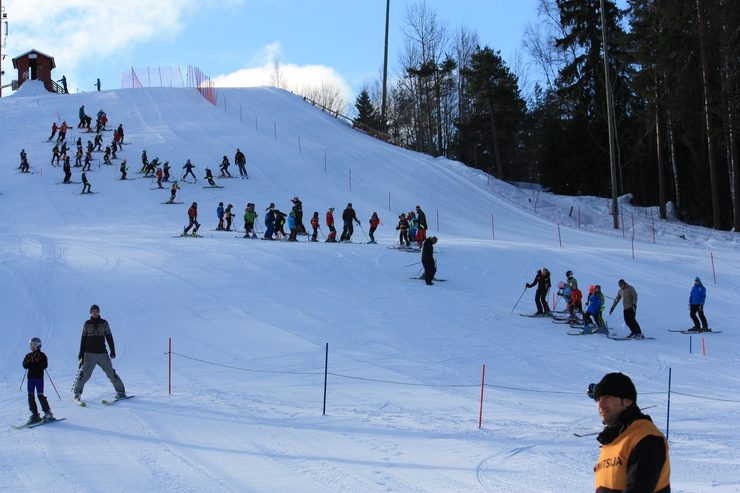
pixel 53 65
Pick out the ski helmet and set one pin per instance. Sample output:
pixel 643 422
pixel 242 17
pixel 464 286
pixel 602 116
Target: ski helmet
pixel 195 204
pixel 561 285
pixel 35 342
pixel 569 274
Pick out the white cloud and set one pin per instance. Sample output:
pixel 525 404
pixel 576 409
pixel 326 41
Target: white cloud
pixel 266 70
pixel 77 32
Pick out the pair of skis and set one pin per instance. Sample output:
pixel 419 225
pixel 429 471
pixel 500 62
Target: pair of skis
pixel 104 401
pixel 37 423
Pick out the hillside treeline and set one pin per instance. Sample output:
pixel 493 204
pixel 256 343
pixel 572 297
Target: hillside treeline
pixel 675 79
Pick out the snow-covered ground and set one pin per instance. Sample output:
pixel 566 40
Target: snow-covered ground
pixel 250 321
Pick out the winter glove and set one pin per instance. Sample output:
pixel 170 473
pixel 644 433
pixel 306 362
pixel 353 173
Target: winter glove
pixel 113 355
pixel 701 308
pixel 611 311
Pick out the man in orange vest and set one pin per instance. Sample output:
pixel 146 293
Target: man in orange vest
pixel 634 453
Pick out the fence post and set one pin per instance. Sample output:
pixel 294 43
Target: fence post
pixel 326 375
pixel 169 368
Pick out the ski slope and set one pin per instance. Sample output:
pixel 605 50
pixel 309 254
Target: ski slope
pixel 251 321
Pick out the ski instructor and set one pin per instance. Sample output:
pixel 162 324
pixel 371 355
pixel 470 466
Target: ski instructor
pixel 95 332
pixel 427 259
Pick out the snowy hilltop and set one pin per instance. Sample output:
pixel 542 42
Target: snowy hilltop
pixel 257 327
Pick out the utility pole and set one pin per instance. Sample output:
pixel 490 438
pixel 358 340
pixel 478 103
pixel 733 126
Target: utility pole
pixel 385 66
pixel 610 121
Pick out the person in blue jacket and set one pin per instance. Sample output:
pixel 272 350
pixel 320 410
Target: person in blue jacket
pixel 220 215
pixel 269 221
pixel 593 308
pixel 696 306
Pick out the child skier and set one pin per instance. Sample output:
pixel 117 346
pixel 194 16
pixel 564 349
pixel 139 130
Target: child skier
pixel 228 215
pixel 575 302
pixel 220 216
pixel 36 362
pixel 413 226
pixel 86 187
pixel 173 191
pixel 249 217
pixel 209 177
pixel 193 218
pixel 315 226
pixel 332 238
pixel 403 227
pixel 188 167
pixel 374 221
pixel 292 226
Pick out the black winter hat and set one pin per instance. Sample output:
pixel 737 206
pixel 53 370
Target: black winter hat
pixel 94 307
pixel 616 385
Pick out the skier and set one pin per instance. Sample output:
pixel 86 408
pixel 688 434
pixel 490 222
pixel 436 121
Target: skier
pixel 124 169
pixel 106 155
pixel 54 154
pixel 62 131
pixel 697 297
pixel 575 303
pixel 36 362
pixel 279 223
pixel 24 165
pixel 209 177
pixel 220 216
pixel 269 221
pixel 166 170
pixel 67 172
pixel 160 176
pixel 241 162
pixel 422 231
pixel 173 191
pixel 249 217
pixel 332 238
pixel 413 226
pixel 144 159
pixel 82 117
pixel 228 215
pixel 224 168
pixel 427 259
pixel 99 144
pixel 88 162
pixel 593 309
pixel 315 226
pixel 629 295
pixel 348 216
pixel 292 226
pixel 298 209
pixel 188 167
pixel 95 332
pixel 403 228
pixel 542 281
pixel 86 187
pixel 193 218
pixel 54 129
pixel 567 286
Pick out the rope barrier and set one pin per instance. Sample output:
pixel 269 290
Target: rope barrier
pixel 391 382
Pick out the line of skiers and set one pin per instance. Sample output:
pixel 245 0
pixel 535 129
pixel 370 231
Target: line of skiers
pixel 412 227
pixel 595 303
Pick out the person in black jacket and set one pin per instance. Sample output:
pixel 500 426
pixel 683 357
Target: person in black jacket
pixel 36 362
pixel 542 281
pixel 95 333
pixel 427 259
pixel 347 217
pixel 633 452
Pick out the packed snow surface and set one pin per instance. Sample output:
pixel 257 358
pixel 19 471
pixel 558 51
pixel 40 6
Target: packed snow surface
pixel 251 322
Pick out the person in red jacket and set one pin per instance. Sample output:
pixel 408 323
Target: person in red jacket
pixel 576 302
pixel 315 226
pixel 193 216
pixel 332 238
pixel 374 221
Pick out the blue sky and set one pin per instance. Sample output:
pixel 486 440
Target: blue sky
pixel 338 39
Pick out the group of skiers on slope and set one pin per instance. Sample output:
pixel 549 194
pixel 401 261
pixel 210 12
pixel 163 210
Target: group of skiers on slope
pixel 95 333
pixel 412 227
pixel 239 159
pixel 595 303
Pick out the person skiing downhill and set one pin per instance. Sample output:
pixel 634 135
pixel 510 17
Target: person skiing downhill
pixel 36 363
pixel 86 187
pixel 697 297
pixel 193 218
pixel 224 168
pixel 209 176
pixel 173 191
pixel 542 281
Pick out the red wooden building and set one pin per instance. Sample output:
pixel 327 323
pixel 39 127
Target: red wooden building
pixel 34 65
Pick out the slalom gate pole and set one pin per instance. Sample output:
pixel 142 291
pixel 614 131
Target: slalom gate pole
pixel 668 413
pixel 169 367
pixel 517 301
pixel 482 387
pixel 326 375
pixel 52 384
pixel 23 380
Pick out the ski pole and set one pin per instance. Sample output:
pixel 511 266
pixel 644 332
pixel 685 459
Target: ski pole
pixel 517 301
pixel 322 232
pixel 415 263
pixel 52 384
pixel 363 231
pixel 24 379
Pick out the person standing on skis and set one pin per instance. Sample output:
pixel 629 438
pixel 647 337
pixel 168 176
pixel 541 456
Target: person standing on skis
pixel 374 222
pixel 36 363
pixel 542 281
pixel 193 218
pixel 348 216
pixel 696 306
pixel 332 237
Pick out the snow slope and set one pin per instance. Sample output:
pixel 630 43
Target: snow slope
pixel 250 320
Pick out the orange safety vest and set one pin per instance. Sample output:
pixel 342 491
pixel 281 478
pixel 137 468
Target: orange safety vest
pixel 611 469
